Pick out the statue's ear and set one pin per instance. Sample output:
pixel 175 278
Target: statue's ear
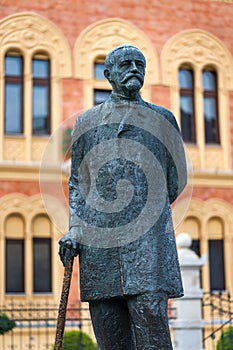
pixel 106 73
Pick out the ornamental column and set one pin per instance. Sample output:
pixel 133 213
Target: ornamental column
pixel 188 325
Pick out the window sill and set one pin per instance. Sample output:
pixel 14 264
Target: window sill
pixel 14 136
pixel 15 295
pixel 45 136
pixel 41 294
pixel 213 145
pixel 23 295
pixel 190 144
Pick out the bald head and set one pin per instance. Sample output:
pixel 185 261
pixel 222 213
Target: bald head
pixel 125 70
pixel 120 50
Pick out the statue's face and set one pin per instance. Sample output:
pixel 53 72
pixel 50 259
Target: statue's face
pixel 127 74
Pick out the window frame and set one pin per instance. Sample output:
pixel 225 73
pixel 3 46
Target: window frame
pixel 22 241
pixel 98 60
pixel 101 85
pixel 99 90
pixel 44 82
pixel 214 95
pixel 188 92
pixel 212 271
pixel 9 79
pixel 43 240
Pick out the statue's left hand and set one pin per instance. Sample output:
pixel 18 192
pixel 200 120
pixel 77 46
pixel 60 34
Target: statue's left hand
pixel 69 248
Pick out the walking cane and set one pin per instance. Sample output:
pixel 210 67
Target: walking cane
pixel 63 305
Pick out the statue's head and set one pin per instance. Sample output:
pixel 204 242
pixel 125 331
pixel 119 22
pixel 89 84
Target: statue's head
pixel 125 69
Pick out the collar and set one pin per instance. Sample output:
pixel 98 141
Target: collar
pixel 114 97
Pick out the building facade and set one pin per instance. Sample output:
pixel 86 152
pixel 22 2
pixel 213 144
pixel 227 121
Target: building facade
pixel 51 69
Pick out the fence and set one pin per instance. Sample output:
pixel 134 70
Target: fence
pixel 36 325
pixel 218 316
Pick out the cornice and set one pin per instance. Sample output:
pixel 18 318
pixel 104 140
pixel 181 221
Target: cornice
pixel 201 178
pixel 30 171
pixel 22 171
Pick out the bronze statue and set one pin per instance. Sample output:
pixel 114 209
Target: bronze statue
pixel 128 259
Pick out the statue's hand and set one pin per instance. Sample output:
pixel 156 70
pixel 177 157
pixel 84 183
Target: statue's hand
pixel 69 248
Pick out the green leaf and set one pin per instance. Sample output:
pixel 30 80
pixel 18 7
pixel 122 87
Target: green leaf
pixel 6 324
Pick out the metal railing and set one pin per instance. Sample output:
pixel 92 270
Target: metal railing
pixel 36 325
pixel 36 322
pixel 218 316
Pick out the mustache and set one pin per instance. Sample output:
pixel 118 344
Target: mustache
pixel 130 75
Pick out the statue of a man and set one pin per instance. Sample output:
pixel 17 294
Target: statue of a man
pixel 128 261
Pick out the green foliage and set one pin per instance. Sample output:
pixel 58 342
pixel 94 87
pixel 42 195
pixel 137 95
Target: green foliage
pixel 77 340
pixel 225 342
pixel 6 324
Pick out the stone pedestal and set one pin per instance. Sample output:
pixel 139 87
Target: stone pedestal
pixel 188 325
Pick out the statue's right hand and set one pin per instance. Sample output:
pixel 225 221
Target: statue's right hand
pixel 69 248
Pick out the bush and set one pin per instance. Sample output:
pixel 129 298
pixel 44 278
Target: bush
pixel 6 324
pixel 225 342
pixel 77 340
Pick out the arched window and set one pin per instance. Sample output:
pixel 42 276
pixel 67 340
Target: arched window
pixel 27 242
pixel 14 79
pixel 15 120
pixel 42 255
pixel 191 225
pixel 14 254
pixel 94 44
pixel 99 68
pixel 187 110
pixel 210 108
pixel 215 230
pixel 41 105
pixel 202 53
pixel 33 67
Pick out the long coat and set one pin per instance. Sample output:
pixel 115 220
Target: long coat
pixel 136 262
